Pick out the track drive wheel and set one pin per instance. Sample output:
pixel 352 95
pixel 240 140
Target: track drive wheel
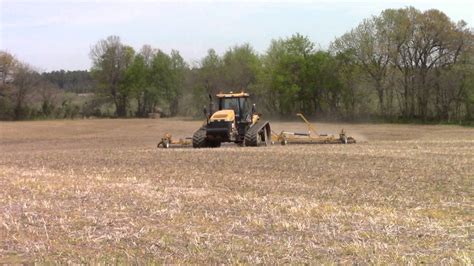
pixel 264 137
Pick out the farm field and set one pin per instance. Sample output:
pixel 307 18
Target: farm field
pixel 100 190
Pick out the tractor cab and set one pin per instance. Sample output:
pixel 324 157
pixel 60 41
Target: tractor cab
pixel 237 102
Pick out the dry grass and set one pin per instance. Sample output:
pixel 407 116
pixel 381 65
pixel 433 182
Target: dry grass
pixel 99 190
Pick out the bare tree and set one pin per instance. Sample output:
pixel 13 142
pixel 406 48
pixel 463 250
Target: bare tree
pixel 8 65
pixel 24 81
pixel 371 47
pixel 148 52
pixel 49 95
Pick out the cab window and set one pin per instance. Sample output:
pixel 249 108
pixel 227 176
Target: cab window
pixel 246 109
pixel 230 103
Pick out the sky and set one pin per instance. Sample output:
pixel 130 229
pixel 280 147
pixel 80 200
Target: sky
pixel 53 35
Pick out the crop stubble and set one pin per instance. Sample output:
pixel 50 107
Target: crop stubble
pixel 99 190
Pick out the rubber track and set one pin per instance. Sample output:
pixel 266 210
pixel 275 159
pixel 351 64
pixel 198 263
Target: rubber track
pixel 199 138
pixel 251 135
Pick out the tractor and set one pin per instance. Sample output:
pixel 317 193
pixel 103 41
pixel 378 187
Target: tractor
pixel 236 120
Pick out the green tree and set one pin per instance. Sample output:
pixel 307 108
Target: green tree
pixel 178 73
pixel 349 75
pixel 141 75
pixel 241 66
pixel 324 88
pixel 162 90
pixel 110 60
pixel 211 72
pixel 289 75
pixel 135 80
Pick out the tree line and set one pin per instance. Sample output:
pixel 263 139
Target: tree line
pixel 403 64
pixel 27 94
pixel 77 81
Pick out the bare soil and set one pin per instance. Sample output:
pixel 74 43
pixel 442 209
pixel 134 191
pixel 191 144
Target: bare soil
pixel 100 191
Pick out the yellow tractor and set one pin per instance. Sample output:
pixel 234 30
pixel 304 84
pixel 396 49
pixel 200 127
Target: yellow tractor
pixel 236 120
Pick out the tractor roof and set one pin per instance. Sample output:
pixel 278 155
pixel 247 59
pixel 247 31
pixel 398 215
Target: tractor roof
pixel 232 95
